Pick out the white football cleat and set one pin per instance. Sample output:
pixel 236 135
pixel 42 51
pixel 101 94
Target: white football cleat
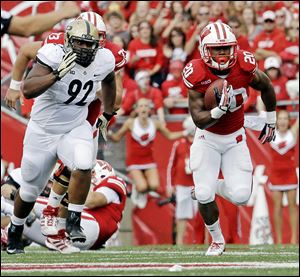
pixel 49 221
pixel 61 243
pixel 215 249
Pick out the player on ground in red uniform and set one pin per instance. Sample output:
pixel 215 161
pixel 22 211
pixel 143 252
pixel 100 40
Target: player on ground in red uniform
pixel 220 140
pixel 100 219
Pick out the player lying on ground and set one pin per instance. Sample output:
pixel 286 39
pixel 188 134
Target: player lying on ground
pixel 100 219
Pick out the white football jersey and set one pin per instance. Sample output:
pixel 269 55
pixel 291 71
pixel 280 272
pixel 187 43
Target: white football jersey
pixel 64 105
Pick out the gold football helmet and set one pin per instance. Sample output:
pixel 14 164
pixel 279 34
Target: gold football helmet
pixel 82 38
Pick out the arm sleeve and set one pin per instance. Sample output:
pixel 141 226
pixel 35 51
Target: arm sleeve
pixel 50 55
pixel 5 21
pixel 110 195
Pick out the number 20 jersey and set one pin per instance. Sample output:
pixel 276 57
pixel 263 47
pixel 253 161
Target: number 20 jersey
pixel 197 76
pixel 64 105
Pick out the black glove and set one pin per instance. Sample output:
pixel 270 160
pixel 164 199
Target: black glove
pixel 102 123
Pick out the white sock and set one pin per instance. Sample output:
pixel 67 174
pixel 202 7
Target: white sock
pixel 75 207
pixel 54 199
pixel 61 223
pixel 216 232
pixel 17 221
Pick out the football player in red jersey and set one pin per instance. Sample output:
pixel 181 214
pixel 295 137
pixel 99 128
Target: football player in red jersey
pixel 220 140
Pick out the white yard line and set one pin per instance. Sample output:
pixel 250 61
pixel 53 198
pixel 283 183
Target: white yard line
pixel 20 267
pixel 168 253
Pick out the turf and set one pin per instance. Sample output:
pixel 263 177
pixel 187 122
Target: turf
pixel 238 260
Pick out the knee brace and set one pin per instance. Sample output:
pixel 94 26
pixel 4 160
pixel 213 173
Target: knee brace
pixel 62 175
pixel 240 196
pixel 204 195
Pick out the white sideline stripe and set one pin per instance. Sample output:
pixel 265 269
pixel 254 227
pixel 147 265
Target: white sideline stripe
pixel 183 253
pixel 13 267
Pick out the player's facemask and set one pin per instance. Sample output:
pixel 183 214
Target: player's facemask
pixel 83 39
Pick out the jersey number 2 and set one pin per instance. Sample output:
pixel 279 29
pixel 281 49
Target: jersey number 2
pixel 75 88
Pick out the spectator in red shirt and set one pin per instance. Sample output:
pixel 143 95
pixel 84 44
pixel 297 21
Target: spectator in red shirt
pixel 272 69
pixel 145 53
pixel 174 91
pixel 280 20
pixel 270 41
pixel 242 40
pixel 143 90
pixel 290 55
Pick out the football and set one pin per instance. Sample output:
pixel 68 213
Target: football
pixel 213 94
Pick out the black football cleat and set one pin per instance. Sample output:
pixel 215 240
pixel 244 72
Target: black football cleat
pixel 73 228
pixel 15 243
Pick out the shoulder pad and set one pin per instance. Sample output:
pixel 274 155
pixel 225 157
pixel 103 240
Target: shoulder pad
pixel 247 61
pixel 50 55
pixel 193 73
pixel 105 59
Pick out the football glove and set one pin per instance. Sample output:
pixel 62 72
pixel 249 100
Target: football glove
pixel 224 103
pixel 65 66
pixel 268 132
pixel 103 122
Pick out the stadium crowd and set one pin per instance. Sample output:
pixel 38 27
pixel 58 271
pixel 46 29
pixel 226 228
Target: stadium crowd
pixel 160 37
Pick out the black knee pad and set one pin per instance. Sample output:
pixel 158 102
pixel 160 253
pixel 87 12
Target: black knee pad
pixel 62 175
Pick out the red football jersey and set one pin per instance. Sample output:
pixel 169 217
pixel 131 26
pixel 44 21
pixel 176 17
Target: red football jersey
pixel 109 216
pixel 178 172
pixel 198 76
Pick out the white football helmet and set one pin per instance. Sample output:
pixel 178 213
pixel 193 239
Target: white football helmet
pixel 98 22
pixel 101 171
pixel 218 35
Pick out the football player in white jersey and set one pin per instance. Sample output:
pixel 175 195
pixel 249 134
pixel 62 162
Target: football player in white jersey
pixel 64 80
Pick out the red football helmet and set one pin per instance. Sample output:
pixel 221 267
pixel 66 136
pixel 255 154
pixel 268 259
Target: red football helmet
pixel 216 35
pixel 101 171
pixel 98 22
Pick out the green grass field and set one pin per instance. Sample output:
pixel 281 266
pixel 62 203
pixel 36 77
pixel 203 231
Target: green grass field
pixel 238 260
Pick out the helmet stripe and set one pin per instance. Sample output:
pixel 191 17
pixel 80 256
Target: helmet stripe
pixel 224 31
pixel 217 30
pixel 88 29
pixel 88 16
pixel 95 20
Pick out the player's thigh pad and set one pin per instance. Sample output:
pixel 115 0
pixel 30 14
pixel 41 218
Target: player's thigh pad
pixel 237 171
pixel 76 148
pixel 39 157
pixel 205 162
pixel 184 203
pixel 90 229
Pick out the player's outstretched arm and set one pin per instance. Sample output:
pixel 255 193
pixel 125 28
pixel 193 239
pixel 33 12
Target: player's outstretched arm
pixel 167 133
pixel 26 53
pixel 262 82
pixel 201 117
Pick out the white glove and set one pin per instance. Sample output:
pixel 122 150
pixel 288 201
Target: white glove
pixel 224 104
pixel 66 65
pixel 268 132
pixel 102 123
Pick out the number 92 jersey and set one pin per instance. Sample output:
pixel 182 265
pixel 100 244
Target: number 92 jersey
pixel 64 105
